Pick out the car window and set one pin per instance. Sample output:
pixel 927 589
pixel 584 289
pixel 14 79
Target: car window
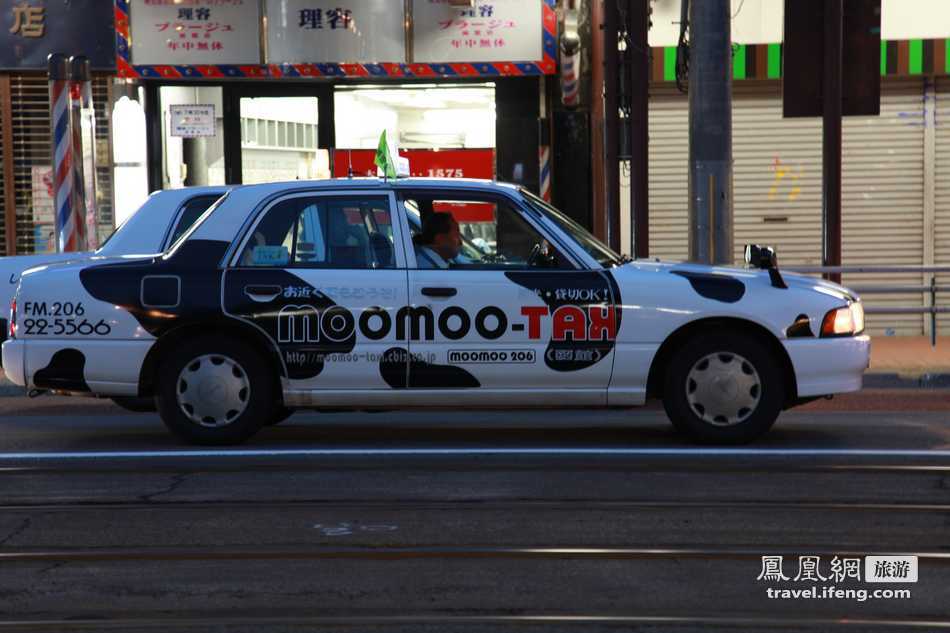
pixel 190 213
pixel 307 232
pixel 492 234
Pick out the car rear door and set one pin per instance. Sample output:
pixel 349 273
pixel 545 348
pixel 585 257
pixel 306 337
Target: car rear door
pixel 499 319
pixel 323 275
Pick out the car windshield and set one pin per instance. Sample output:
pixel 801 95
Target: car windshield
pixel 604 255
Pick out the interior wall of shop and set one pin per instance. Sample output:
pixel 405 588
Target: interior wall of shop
pixel 891 199
pixel 25 144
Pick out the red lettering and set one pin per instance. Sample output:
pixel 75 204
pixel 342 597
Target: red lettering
pixel 534 314
pixel 603 323
pixel 569 320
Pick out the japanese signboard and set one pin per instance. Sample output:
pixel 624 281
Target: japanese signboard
pixel 196 32
pixel 191 121
pixel 330 31
pixel 423 163
pixel 489 31
pixel 32 29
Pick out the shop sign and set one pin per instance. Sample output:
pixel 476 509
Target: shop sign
pixel 32 29
pixel 423 163
pixel 489 31
pixel 196 32
pixel 301 31
pixel 192 121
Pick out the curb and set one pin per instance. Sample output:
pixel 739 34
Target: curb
pixel 900 381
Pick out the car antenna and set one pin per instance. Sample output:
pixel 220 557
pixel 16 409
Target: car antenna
pixel 349 157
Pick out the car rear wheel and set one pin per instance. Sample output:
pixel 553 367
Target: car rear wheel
pixel 724 388
pixel 215 391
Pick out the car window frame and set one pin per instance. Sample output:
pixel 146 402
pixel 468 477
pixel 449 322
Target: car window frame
pixel 180 212
pixel 452 193
pixel 240 243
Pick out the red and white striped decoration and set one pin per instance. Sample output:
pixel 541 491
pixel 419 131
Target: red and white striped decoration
pixel 544 156
pixel 79 184
pixel 63 176
pixel 570 86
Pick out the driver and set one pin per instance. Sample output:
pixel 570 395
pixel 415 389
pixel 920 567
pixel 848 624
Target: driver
pixel 439 243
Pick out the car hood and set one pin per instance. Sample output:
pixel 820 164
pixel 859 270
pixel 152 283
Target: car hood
pixel 792 280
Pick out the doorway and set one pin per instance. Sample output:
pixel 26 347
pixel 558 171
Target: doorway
pixel 276 132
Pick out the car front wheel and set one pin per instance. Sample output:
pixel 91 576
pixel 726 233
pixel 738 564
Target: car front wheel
pixel 724 388
pixel 215 391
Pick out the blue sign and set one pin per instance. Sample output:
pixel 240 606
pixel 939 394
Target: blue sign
pixel 32 29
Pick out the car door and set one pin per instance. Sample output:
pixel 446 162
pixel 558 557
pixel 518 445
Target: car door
pixel 512 313
pixel 323 275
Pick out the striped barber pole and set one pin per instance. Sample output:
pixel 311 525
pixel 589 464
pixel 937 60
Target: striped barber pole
pixel 544 155
pixel 570 86
pixel 78 216
pixel 63 176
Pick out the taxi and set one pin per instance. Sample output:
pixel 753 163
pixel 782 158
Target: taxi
pixel 379 294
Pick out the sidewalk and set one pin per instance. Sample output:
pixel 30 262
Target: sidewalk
pixel 909 361
pixel 896 361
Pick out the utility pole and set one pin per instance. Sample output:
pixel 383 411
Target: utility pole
pixel 710 132
pixel 634 103
pixel 831 136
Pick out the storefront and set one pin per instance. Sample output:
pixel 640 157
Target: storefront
pixel 29 31
pixel 245 92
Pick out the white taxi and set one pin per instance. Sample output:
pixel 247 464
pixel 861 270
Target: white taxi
pixel 327 294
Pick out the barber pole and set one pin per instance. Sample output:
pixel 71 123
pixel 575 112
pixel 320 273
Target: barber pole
pixel 570 86
pixel 544 154
pixel 85 157
pixel 67 238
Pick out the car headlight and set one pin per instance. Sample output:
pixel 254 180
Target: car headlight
pixel 847 321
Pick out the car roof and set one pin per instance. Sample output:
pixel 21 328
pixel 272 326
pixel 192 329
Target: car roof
pixel 376 184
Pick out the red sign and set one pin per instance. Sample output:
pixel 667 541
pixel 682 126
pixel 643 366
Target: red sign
pixel 423 163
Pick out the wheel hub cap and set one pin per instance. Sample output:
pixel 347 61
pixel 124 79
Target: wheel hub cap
pixel 723 389
pixel 213 390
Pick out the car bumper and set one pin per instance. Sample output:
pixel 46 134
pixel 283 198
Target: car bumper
pixel 827 366
pixel 14 354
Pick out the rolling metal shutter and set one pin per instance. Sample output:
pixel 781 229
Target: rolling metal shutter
pixel 778 187
pixel 5 146
pixel 777 175
pixel 883 199
pixel 31 147
pixel 941 228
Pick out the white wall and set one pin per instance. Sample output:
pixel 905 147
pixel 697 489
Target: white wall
pixel 760 21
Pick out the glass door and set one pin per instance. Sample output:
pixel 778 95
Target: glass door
pixel 276 133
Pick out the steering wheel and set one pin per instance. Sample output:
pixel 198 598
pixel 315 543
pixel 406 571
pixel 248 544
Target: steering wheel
pixel 493 258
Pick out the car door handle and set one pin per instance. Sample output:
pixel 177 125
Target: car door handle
pixel 262 294
pixel 439 292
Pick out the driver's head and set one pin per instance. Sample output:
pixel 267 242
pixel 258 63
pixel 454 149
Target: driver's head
pixel 440 232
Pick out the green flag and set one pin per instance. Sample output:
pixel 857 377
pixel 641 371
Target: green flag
pixel 384 159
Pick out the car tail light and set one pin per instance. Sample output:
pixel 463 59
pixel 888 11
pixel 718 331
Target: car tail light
pixel 13 319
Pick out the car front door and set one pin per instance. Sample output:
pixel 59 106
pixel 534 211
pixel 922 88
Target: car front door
pixel 511 314
pixel 323 275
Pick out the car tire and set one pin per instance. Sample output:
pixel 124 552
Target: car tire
pixel 215 391
pixel 724 388
pixel 135 405
pixel 280 414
